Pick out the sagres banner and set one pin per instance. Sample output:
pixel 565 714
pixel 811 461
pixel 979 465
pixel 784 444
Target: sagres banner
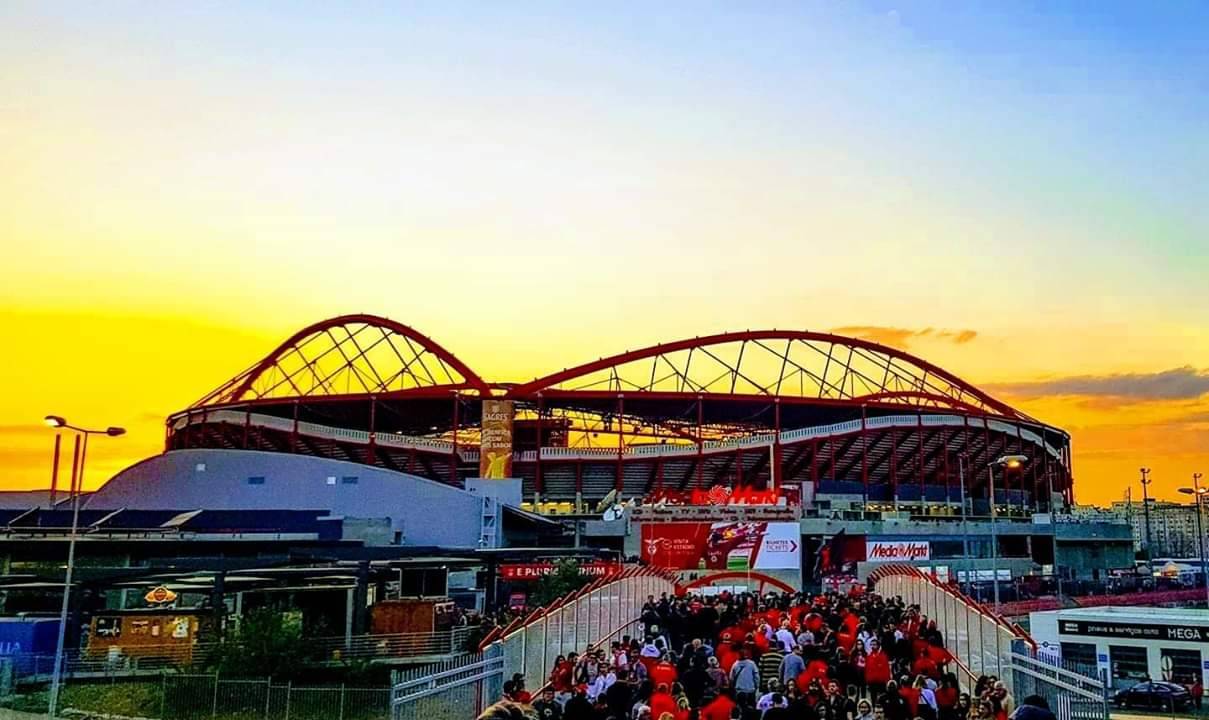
pixel 495 444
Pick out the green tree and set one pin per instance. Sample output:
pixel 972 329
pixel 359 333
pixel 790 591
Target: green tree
pixel 566 578
pixel 269 643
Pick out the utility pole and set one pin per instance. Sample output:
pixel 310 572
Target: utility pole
pixel 1146 520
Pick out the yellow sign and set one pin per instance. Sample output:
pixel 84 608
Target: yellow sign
pixel 495 442
pixel 159 595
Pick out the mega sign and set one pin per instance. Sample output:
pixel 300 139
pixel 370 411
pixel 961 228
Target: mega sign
pixel 1134 631
pixel 897 550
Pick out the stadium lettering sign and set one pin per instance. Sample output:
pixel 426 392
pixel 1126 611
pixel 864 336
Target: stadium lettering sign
pixel 897 550
pixel 533 571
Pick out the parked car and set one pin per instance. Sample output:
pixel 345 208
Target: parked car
pixel 1154 694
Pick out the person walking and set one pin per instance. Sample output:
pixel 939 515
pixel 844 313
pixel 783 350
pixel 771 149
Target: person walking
pixel 745 679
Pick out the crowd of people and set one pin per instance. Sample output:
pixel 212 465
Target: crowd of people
pixel 854 656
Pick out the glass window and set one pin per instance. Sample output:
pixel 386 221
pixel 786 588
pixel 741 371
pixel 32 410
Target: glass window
pixel 256 480
pixel 1128 663
pixel 947 549
pixel 1180 666
pixel 1079 657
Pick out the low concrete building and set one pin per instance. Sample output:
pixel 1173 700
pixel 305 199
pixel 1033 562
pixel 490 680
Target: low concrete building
pixel 1128 644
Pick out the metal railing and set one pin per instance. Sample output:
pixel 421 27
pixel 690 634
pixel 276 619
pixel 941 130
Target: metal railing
pixel 361 437
pixel 980 642
pixel 599 612
pixel 1071 694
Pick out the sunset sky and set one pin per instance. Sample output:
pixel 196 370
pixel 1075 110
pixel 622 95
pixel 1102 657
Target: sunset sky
pixel 1016 191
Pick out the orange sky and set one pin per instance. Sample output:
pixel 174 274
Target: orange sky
pixel 1014 194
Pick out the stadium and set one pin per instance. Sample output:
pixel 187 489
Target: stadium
pixel 756 417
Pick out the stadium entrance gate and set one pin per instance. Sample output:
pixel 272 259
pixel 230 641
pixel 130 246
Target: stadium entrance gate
pixel 1071 695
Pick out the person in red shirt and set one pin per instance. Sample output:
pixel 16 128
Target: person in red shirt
pixel 925 665
pixel 662 701
pixel 815 670
pixel 877 671
pixel 719 708
pixel 561 675
pixel 910 693
pixel 757 643
pixel 946 695
pixel 663 673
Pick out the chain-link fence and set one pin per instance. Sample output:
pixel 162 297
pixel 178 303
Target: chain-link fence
pixel 151 660
pixel 211 697
pixel 980 642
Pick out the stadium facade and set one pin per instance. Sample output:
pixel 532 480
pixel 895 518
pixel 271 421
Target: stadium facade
pixel 829 455
pixel 787 415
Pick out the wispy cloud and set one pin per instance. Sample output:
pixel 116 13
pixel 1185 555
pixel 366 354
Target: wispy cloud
pixel 903 337
pixel 1182 383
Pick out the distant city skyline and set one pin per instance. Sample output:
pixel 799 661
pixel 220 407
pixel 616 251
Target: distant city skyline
pixel 1013 193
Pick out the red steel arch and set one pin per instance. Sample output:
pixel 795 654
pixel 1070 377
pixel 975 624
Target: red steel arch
pixel 736 575
pixel 811 366
pixel 355 355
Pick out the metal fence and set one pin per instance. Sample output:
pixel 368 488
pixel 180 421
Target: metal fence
pixel 606 609
pixel 980 642
pixel 449 691
pixel 206 697
pixel 149 660
pixel 1071 695
pixel 212 697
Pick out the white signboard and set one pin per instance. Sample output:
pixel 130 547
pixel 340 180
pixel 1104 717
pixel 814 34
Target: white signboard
pixel 780 547
pixel 897 550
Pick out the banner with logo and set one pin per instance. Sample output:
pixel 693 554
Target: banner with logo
pixel 897 550
pixel 495 443
pixel 723 545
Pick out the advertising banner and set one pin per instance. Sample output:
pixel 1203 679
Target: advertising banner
pixel 495 444
pixel 722 546
pixel 897 550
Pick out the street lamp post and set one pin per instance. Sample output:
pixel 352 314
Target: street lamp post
pixel 1053 528
pixel 1198 495
pixel 965 521
pixel 1146 519
pixel 77 485
pixel 1007 462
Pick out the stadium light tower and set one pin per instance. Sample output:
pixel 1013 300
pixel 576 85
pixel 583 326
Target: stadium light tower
pixel 77 484
pixel 1007 462
pixel 1198 496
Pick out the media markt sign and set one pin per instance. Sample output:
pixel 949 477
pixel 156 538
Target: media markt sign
pixel 897 550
